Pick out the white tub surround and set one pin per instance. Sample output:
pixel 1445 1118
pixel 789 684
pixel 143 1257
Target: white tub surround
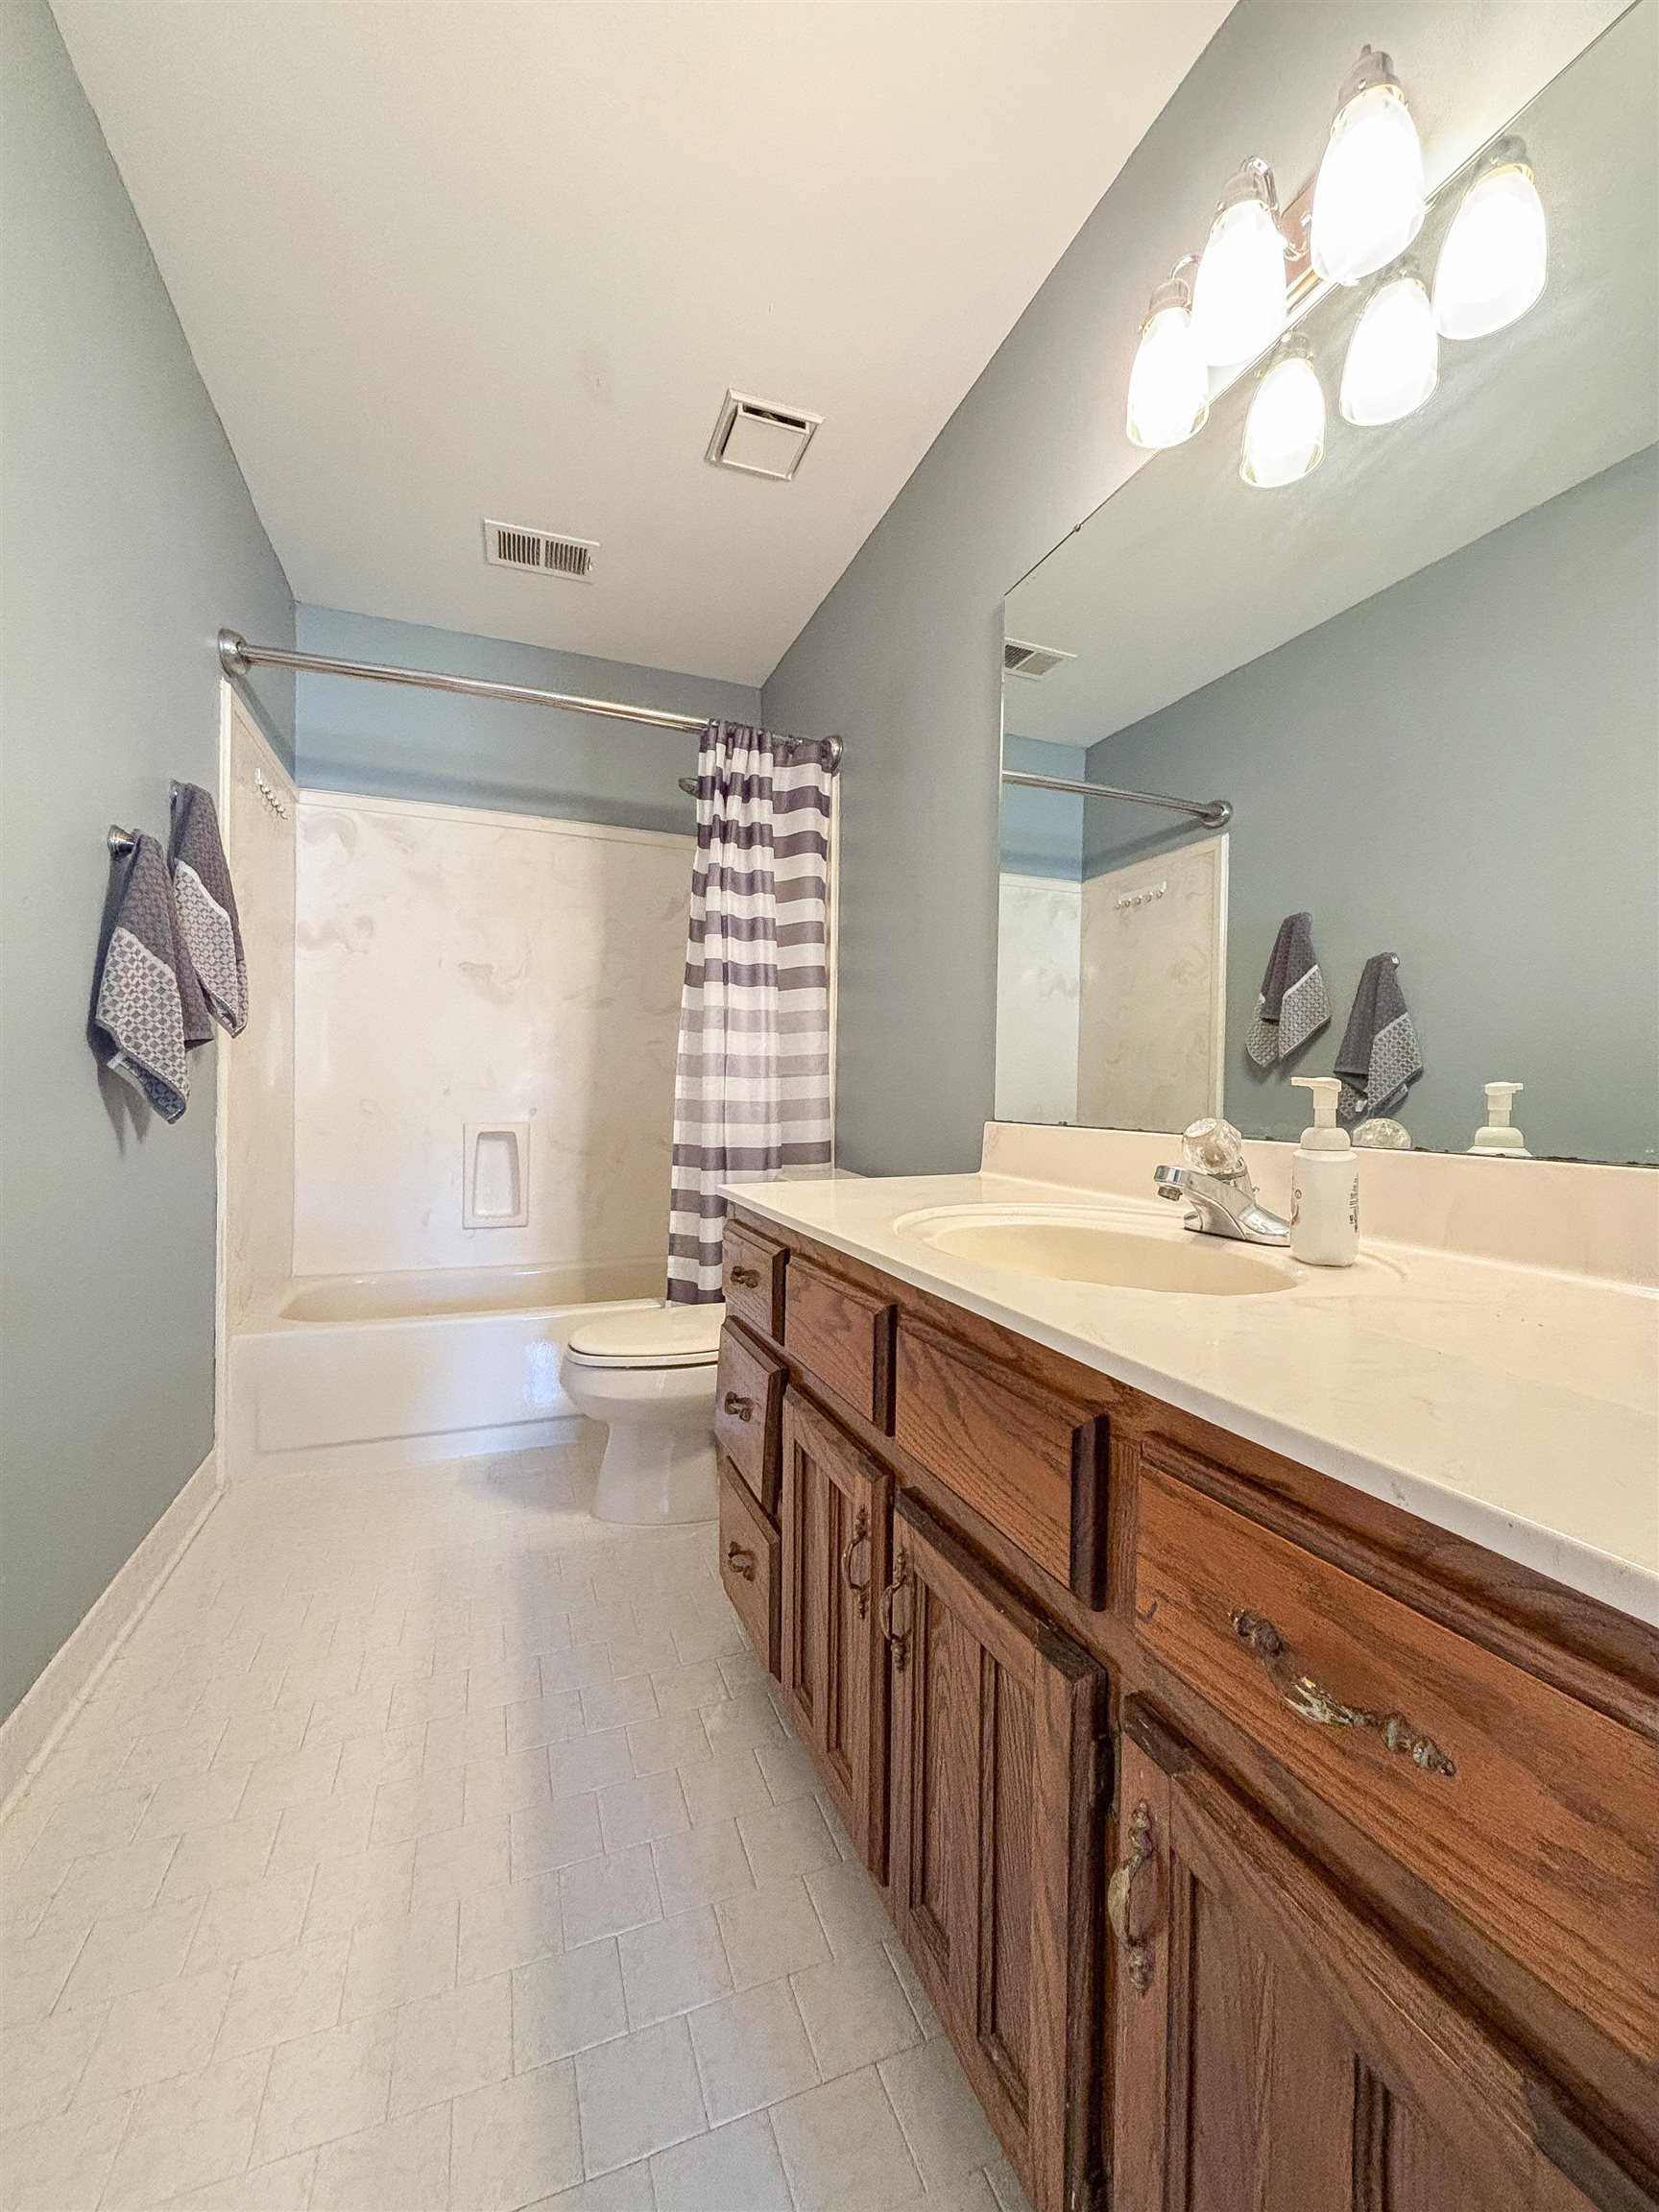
pixel 1152 1009
pixel 458 970
pixel 369 1372
pixel 1039 938
pixel 1470 1368
pixel 256 1069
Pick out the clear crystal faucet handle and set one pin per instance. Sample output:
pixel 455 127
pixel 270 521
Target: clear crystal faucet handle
pixel 1213 1147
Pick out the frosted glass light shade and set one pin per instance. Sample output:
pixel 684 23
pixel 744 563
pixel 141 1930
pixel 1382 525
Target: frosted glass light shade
pixel 1169 383
pixel 1238 293
pixel 1368 198
pixel 1393 358
pixel 1493 264
pixel 1285 429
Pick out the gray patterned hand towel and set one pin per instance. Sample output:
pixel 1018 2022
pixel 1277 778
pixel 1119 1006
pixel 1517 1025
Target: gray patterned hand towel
pixel 1294 1003
pixel 1378 1057
pixel 208 906
pixel 147 1008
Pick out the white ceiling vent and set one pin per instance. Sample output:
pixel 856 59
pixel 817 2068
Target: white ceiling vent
pixel 760 439
pixel 1022 659
pixel 508 546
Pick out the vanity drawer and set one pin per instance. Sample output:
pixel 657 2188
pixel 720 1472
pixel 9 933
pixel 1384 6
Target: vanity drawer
pixel 749 1567
pixel 1531 1814
pixel 752 1280
pixel 843 1337
pixel 749 1412
pixel 1031 1463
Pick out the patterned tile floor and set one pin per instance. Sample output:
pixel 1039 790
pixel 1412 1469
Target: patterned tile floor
pixel 432 1848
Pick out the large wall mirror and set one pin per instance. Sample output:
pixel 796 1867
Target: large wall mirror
pixel 1425 679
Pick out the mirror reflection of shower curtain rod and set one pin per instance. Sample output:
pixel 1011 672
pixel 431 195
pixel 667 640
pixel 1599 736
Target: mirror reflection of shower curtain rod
pixel 1215 813
pixel 236 657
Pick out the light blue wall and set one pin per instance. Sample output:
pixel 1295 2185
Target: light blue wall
pixel 903 657
pixel 1461 771
pixel 1041 833
pixel 127 537
pixel 409 744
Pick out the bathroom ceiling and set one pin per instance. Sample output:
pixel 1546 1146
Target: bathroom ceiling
pixel 460 258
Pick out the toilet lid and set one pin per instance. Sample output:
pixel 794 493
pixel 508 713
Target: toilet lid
pixel 651 1336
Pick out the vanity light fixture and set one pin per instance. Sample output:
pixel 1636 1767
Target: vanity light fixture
pixel 1495 257
pixel 1169 383
pixel 1285 429
pixel 1393 361
pixel 1368 197
pixel 1238 293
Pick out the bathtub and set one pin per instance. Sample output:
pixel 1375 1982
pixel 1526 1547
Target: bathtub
pixel 377 1371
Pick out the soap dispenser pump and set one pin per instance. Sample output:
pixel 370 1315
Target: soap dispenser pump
pixel 1500 1139
pixel 1324 1184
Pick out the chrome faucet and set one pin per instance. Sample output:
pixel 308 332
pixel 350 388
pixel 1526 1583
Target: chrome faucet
pixel 1223 1205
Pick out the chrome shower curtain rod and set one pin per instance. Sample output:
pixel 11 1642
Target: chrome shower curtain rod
pixel 236 657
pixel 1214 814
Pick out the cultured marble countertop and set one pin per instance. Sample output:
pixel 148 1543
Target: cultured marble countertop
pixel 1516 1407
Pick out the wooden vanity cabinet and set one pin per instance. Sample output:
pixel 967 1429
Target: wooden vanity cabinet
pixel 1273 2051
pixel 843 1340
pixel 1358 1909
pixel 752 1278
pixel 1535 1815
pixel 835 1520
pixel 749 1552
pixel 748 1408
pixel 998 1759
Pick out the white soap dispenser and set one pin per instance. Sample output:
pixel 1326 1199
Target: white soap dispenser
pixel 1500 1139
pixel 1324 1184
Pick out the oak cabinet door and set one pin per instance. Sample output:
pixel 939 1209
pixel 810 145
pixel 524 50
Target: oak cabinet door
pixel 1274 2051
pixel 995 1870
pixel 835 1506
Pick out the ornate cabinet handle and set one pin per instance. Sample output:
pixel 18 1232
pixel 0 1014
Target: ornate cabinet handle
pixel 746 1278
pixel 742 1561
pixel 897 1641
pixel 1138 1959
pixel 736 1403
pixel 1312 1701
pixel 861 1536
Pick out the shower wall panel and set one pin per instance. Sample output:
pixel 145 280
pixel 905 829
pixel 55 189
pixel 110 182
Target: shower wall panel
pixel 456 967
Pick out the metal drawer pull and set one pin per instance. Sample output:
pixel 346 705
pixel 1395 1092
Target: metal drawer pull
pixel 1137 1957
pixel 861 1536
pixel 734 1403
pixel 746 1278
pixel 742 1561
pixel 1312 1701
pixel 897 1642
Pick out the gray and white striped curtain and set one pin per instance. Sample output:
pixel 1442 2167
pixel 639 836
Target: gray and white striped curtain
pixel 752 1087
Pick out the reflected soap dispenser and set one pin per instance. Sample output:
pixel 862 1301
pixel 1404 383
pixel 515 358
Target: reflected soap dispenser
pixel 1500 1139
pixel 1324 1184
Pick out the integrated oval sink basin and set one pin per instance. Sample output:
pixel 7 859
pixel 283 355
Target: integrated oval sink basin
pixel 1091 1250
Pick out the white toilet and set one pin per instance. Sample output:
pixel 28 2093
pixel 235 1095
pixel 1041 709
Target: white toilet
pixel 649 1374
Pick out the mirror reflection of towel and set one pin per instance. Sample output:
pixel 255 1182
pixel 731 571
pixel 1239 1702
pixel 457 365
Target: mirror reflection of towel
pixel 1378 1057
pixel 1293 1002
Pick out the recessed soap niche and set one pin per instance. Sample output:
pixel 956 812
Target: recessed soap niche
pixel 495 1175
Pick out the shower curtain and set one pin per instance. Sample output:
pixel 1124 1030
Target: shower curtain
pixel 752 1084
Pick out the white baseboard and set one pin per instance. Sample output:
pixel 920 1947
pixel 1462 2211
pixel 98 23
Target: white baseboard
pixel 29 1732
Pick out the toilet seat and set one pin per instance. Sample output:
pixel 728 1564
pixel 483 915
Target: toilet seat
pixel 650 1337
pixel 650 1374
